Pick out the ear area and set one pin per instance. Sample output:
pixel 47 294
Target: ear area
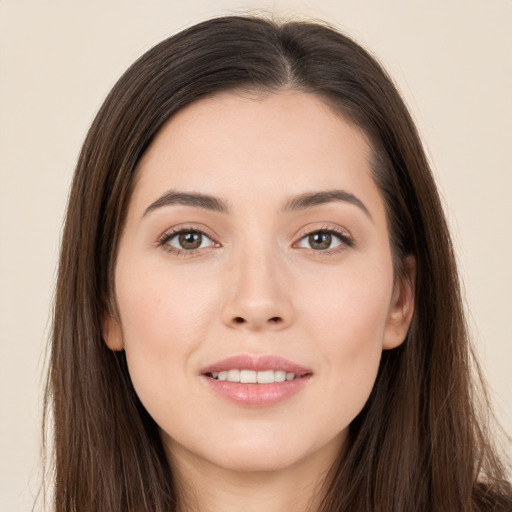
pixel 401 307
pixel 111 332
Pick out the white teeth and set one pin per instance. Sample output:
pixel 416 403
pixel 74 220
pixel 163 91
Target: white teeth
pixel 253 377
pixel 279 376
pixel 247 377
pixel 265 377
pixel 234 376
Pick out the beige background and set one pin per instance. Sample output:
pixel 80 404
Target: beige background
pixel 452 59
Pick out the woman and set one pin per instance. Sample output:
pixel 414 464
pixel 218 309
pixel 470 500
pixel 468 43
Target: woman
pixel 257 303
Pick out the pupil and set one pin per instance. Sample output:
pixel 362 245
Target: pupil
pixel 190 240
pixel 320 240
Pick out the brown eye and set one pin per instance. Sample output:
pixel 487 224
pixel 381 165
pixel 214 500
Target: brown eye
pixel 320 241
pixel 189 240
pixel 324 240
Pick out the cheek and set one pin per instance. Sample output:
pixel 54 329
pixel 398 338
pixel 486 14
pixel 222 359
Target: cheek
pixel 347 318
pixel 351 307
pixel 158 301
pixel 164 317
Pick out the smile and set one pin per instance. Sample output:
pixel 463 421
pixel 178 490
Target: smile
pixel 253 377
pixel 255 380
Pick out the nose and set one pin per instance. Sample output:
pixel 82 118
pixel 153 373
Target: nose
pixel 258 295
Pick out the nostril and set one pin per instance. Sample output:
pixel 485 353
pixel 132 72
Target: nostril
pixel 239 320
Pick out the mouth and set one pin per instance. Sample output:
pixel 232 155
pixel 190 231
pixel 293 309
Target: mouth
pixel 255 377
pixel 256 381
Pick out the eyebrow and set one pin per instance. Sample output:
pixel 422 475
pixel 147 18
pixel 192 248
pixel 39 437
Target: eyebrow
pixel 301 202
pixel 309 200
pixel 195 199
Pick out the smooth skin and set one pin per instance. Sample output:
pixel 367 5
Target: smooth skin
pixel 312 282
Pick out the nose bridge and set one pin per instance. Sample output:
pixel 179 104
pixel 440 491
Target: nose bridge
pixel 257 297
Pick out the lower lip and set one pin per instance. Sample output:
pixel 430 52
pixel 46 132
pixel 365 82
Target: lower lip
pixel 257 395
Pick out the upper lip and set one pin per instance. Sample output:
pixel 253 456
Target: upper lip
pixel 256 363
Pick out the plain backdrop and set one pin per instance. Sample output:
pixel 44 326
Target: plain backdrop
pixel 451 59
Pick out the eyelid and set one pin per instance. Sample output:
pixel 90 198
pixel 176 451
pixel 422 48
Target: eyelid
pixel 168 234
pixel 347 240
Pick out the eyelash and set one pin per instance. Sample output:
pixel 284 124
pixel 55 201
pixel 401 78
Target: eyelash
pixel 164 240
pixel 345 240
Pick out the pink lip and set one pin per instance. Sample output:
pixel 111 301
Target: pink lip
pixel 256 363
pixel 256 395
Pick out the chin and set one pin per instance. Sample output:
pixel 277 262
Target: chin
pixel 254 461
pixel 254 454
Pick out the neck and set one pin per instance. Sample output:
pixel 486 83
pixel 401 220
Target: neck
pixel 206 487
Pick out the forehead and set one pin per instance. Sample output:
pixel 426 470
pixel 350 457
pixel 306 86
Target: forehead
pixel 239 145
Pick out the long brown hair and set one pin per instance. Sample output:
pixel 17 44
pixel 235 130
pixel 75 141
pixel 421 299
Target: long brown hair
pixel 420 443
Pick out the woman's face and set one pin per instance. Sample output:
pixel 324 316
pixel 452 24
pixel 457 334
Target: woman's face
pixel 256 249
